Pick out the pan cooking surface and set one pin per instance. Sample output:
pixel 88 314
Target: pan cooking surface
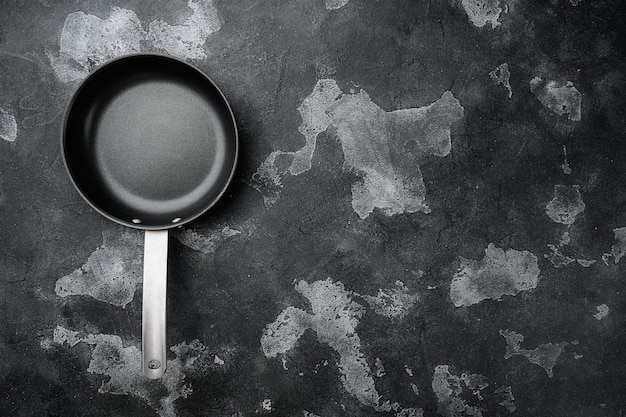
pixel 149 141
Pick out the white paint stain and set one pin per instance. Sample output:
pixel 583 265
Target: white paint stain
pixel 206 243
pixel 448 388
pixel 481 12
pixel 87 41
pixel 187 40
pixel 508 400
pixel 333 316
pixel 501 75
pixel 335 4
pixel 379 147
pixel 565 205
pixel 122 365
pixel 545 355
pixel 497 274
pixel 218 361
pixel 392 303
pixel 603 311
pixel 8 126
pixel 112 272
pixel 565 99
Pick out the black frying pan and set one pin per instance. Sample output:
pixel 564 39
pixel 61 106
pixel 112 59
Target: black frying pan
pixel 150 142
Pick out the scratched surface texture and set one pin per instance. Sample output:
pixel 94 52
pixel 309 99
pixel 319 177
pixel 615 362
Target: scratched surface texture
pixel 428 217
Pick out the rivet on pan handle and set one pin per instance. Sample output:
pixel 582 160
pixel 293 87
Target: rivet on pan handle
pixel 154 318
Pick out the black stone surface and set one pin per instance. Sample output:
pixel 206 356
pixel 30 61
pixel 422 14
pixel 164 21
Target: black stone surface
pixel 455 247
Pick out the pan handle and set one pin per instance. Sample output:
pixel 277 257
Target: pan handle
pixel 154 319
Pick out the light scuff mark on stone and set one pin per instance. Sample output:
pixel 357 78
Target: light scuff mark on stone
pixel 8 126
pixel 502 75
pixel 88 41
pixel 335 4
pixel 410 412
pixel 556 257
pixel 187 40
pixel 112 272
pixel 333 316
pixel 392 303
pixel 559 260
pixel 508 400
pixel 122 365
pixel 380 368
pixel 565 165
pixel 481 12
pixel 448 388
pixel 618 250
pixel 574 2
pixel 206 243
pixel 380 147
pixel 585 263
pixel 603 311
pixel 545 355
pixel 499 273
pixel 565 99
pixel 566 204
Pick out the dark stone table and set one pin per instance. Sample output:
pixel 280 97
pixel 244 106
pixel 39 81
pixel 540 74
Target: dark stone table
pixel 427 216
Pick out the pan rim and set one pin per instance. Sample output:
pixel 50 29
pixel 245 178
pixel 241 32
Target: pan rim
pixel 106 214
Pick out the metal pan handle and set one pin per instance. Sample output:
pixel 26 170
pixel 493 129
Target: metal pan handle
pixel 154 318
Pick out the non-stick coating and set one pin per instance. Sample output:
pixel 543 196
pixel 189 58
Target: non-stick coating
pixel 149 141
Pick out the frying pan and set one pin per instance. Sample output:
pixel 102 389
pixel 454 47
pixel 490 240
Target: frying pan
pixel 150 142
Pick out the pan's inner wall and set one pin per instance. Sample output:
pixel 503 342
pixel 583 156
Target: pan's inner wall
pixel 149 141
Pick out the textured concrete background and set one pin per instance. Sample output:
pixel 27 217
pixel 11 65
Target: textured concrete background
pixel 427 219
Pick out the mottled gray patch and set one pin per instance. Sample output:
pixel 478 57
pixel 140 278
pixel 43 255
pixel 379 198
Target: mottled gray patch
pixel 448 388
pixel 566 204
pixel 481 12
pixel 501 75
pixel 508 401
pixel 333 317
pixel 499 273
pixel 187 40
pixel 8 126
pixel 122 365
pixel 561 100
pixel 374 144
pixel 112 272
pixel 392 303
pixel 603 311
pixel 335 4
pixel 618 250
pixel 545 355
